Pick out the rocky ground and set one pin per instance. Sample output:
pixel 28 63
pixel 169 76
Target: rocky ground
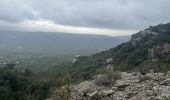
pixel 130 86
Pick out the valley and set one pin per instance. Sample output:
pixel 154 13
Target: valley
pixel 39 50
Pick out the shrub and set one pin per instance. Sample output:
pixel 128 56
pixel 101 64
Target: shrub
pixel 107 78
pixel 165 98
pixel 62 93
pixel 103 80
pixel 146 66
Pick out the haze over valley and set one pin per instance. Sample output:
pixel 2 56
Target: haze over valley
pixel 38 48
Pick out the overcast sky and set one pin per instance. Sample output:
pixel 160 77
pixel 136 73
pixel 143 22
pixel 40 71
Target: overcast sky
pixel 109 17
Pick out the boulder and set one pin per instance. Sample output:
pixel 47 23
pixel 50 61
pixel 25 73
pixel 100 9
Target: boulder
pixel 110 67
pixel 166 82
pixel 84 88
pixel 139 96
pixel 126 82
pixel 103 80
pixel 168 74
pixel 106 92
pixel 125 75
pixel 92 94
pixel 156 76
pixel 110 60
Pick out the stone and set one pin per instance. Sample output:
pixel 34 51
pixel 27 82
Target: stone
pixel 122 84
pixel 103 80
pixel 156 76
pixel 106 92
pixel 125 83
pixel 166 82
pixel 149 92
pixel 110 67
pixel 93 94
pixel 114 88
pixel 110 60
pixel 168 74
pixel 125 75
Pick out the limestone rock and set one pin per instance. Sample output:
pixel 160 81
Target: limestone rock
pixel 108 61
pixel 166 82
pixel 106 92
pixel 129 87
pixel 92 94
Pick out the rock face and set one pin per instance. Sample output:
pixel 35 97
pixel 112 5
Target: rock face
pixel 108 61
pixel 159 52
pixel 131 86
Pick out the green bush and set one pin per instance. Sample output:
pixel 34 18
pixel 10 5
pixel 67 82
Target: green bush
pixel 107 77
pixel 62 93
pixel 165 98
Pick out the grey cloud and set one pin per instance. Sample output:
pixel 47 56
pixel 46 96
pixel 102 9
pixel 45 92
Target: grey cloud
pixel 16 11
pixel 115 14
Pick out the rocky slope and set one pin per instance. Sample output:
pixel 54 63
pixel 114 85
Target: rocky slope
pixel 131 86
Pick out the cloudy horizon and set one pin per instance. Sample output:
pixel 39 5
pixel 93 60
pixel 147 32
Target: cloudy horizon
pixel 104 17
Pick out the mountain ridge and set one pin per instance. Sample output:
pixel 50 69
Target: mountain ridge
pixel 134 54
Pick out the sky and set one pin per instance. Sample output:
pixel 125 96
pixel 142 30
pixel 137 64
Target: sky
pixel 106 17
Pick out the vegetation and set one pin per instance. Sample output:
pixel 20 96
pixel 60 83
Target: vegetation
pixel 62 93
pixel 165 98
pixel 133 55
pixel 106 77
pixel 143 52
pixel 15 85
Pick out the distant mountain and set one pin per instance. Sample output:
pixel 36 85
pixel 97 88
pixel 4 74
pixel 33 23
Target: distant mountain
pixel 58 43
pixel 147 49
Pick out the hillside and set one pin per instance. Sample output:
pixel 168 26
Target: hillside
pixel 147 49
pixel 135 70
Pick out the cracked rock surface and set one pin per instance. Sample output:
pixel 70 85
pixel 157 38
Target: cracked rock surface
pixel 152 86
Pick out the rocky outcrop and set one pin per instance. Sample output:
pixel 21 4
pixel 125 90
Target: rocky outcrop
pixel 140 35
pixel 109 61
pixel 131 86
pixel 159 52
